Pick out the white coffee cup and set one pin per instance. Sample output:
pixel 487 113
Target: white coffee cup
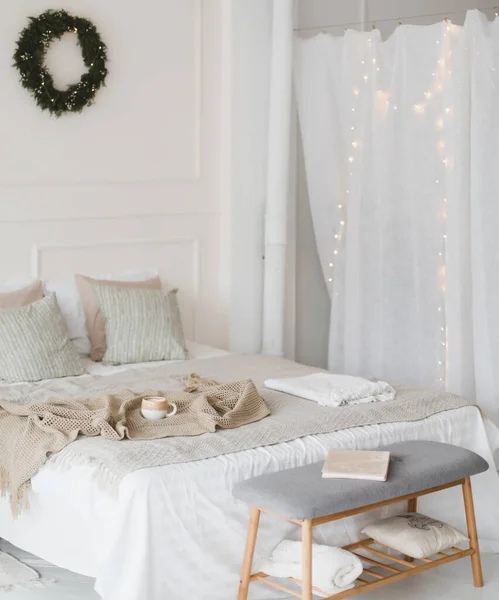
pixel 157 407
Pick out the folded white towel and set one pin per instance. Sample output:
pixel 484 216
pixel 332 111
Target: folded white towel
pixel 334 570
pixel 334 390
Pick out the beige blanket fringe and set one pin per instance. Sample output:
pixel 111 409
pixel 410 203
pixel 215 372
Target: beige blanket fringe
pixel 30 433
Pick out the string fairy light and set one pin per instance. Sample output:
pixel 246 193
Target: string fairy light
pixel 420 108
pixel 355 143
pixel 439 76
pixel 441 71
pixel 447 163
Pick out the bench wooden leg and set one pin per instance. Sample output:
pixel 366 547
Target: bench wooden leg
pixel 306 541
pixel 472 533
pixel 249 553
pixel 412 507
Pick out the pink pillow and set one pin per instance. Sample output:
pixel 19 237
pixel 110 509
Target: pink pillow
pixel 96 325
pixel 23 297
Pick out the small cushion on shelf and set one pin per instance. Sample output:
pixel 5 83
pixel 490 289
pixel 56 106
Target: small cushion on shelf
pixel 414 534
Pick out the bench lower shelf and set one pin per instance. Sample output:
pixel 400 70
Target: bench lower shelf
pixel 384 573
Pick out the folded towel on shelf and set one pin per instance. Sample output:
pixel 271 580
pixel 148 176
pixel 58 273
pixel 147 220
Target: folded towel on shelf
pixel 334 390
pixel 334 570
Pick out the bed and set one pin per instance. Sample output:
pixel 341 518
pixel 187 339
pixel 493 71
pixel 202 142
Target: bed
pixel 169 532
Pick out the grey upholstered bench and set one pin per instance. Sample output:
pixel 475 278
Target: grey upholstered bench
pixel 303 497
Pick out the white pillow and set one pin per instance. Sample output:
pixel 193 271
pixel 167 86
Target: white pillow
pixel 414 534
pixel 71 307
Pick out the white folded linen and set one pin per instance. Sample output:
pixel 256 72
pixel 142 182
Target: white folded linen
pixel 334 570
pixel 334 390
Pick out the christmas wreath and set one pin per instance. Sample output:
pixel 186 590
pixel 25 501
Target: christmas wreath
pixel 30 56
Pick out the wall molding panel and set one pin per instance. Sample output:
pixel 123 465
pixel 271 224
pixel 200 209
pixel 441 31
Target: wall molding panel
pixel 146 125
pixel 128 184
pixel 177 259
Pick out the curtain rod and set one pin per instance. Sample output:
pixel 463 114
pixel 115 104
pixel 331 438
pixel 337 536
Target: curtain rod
pixel 400 20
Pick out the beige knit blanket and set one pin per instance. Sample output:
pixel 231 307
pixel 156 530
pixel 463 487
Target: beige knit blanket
pixel 29 432
pixel 290 417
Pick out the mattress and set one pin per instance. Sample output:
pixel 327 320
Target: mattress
pixel 175 531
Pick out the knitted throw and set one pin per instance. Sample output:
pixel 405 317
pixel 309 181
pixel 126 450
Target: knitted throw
pixel 29 432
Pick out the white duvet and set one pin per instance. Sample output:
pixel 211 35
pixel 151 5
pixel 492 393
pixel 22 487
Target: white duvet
pixel 176 532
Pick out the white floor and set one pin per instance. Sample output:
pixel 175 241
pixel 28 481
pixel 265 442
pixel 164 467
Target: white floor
pixel 66 586
pixel 450 582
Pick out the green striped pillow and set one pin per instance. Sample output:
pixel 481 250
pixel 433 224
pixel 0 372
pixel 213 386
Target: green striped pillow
pixel 142 325
pixel 35 345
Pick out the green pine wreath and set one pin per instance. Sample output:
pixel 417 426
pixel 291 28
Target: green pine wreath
pixel 29 58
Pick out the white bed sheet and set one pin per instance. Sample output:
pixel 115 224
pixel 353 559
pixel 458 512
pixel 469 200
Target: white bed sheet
pixel 175 532
pixel 195 350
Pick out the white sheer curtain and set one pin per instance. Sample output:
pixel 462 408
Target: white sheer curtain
pixel 401 142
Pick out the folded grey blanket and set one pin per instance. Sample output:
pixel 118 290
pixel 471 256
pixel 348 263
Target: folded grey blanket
pixel 290 417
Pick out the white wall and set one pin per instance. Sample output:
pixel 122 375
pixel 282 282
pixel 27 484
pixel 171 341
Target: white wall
pixel 135 179
pixel 314 16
